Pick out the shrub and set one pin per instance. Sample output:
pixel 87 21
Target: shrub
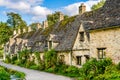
pixel 111 73
pixel 4 75
pixel 35 67
pixel 50 58
pixel 51 70
pixel 93 68
pixel 61 69
pixel 72 71
pixel 8 60
pixel 29 63
pixel 14 58
pixel 118 66
pixel 17 74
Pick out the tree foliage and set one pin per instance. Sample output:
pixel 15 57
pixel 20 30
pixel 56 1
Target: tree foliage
pixel 34 26
pixel 53 18
pixel 15 20
pixel 98 5
pixel 5 32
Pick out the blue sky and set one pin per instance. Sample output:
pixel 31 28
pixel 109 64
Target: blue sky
pixel 36 10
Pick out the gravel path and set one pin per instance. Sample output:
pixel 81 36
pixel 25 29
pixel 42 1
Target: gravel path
pixel 34 74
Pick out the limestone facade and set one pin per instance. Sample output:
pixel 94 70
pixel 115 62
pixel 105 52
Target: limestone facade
pixel 108 40
pixel 88 35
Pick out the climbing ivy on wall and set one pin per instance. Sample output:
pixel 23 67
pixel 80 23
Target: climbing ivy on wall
pixel 50 58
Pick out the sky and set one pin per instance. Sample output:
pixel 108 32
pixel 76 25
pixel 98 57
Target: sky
pixel 36 10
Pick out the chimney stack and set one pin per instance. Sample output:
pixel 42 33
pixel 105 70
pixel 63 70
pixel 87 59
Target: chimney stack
pixel 45 24
pixel 82 8
pixel 39 26
pixel 61 16
pixel 24 30
pixel 29 29
pixel 15 32
pixel 19 31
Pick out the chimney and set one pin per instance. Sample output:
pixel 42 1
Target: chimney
pixel 82 8
pixel 61 16
pixel 45 24
pixel 24 30
pixel 19 31
pixel 15 32
pixel 29 29
pixel 39 26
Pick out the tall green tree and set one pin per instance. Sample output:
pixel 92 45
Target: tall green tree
pixel 33 26
pixel 53 18
pixel 5 32
pixel 98 5
pixel 15 20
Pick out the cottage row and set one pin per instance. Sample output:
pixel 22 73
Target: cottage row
pixel 89 34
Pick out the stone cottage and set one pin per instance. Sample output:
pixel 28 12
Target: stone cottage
pixel 89 34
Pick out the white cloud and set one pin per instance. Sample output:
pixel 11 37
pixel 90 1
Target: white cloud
pixel 14 5
pixel 27 7
pixel 38 13
pixel 73 8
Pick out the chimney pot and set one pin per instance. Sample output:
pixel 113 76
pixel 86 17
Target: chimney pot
pixel 82 8
pixel 45 24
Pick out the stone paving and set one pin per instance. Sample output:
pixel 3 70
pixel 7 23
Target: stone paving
pixel 34 74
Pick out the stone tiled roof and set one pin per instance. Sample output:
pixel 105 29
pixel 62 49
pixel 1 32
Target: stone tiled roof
pixel 106 17
pixel 30 43
pixel 67 36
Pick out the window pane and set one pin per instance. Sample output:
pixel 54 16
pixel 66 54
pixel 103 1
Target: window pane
pixel 81 36
pixel 78 60
pixel 101 52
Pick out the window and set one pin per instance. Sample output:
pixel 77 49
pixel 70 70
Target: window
pixel 82 36
pixel 101 53
pixel 79 60
pixel 50 44
pixel 87 57
pixel 62 58
pixel 46 45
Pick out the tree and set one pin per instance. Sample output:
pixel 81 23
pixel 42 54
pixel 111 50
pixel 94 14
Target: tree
pixel 98 5
pixel 15 21
pixel 5 33
pixel 34 26
pixel 53 18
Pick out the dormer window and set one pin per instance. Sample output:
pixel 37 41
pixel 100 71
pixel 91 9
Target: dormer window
pixel 82 36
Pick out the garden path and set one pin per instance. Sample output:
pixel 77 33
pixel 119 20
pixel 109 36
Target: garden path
pixel 34 74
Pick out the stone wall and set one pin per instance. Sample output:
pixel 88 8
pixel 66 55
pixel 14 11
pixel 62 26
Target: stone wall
pixel 67 57
pixel 109 39
pixel 81 44
pixel 80 48
pixel 81 53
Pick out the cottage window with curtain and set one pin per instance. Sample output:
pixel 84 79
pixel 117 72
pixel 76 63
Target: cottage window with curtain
pixel 50 44
pixel 101 53
pixel 79 61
